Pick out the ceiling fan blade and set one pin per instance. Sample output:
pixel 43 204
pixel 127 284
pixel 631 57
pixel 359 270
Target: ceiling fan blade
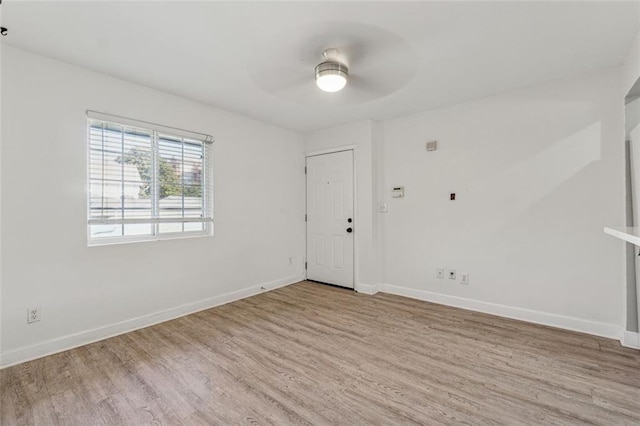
pixel 276 82
pixel 366 84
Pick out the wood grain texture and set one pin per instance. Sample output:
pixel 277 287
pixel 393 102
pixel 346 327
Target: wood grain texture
pixel 314 354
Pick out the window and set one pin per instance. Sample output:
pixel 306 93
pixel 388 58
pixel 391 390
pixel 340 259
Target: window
pixel 146 181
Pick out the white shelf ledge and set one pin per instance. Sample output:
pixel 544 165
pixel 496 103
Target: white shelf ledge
pixel 631 235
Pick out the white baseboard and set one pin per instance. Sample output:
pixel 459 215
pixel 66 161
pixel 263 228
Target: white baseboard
pixel 536 317
pixel 366 288
pixel 631 339
pixel 49 347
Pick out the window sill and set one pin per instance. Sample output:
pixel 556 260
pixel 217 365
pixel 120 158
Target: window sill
pixel 98 242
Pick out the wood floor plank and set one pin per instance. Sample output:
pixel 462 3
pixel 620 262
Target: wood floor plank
pixel 310 354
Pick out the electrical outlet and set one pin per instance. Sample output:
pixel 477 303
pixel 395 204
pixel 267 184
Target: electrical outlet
pixel 33 315
pixel 440 273
pixel 452 274
pixel 464 278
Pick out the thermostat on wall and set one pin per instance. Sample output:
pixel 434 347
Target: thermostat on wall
pixel 397 192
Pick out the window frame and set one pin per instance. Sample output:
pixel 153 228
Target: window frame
pixel 157 132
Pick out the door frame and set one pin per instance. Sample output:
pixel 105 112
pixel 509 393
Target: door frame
pixel 354 149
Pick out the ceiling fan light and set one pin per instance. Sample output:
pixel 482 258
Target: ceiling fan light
pixel 331 82
pixel 331 76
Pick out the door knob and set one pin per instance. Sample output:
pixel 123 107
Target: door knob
pixel 349 230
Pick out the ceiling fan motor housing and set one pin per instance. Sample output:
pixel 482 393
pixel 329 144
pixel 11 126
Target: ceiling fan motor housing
pixel 332 68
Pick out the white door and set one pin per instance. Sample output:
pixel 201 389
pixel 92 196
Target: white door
pixel 330 221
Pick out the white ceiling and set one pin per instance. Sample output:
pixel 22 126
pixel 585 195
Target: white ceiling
pixel 257 58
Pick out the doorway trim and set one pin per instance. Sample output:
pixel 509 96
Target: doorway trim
pixel 341 148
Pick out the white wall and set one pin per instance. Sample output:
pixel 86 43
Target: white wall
pixel 1 183
pixel 538 173
pixel 631 74
pixel 631 65
pixel 360 135
pixel 88 293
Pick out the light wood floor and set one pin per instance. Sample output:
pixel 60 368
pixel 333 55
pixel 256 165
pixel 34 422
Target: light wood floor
pixel 314 354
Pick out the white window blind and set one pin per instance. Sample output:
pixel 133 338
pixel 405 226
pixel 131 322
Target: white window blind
pixel 146 181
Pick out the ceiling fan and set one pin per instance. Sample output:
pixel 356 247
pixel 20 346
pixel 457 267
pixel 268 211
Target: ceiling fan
pixel 332 62
pixel 332 74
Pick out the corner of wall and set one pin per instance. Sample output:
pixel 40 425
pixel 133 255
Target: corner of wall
pixel 631 340
pixel 369 289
